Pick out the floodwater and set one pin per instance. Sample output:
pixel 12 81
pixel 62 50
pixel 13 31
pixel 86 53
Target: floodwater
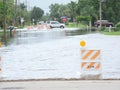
pixel 51 54
pixel 37 36
pixel 16 54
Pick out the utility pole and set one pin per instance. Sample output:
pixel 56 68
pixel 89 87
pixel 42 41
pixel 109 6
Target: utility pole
pixel 15 9
pixel 26 3
pixel 100 13
pixel 4 25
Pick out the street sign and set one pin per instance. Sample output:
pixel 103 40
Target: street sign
pixel 82 43
pixel 64 19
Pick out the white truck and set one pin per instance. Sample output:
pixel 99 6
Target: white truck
pixel 55 24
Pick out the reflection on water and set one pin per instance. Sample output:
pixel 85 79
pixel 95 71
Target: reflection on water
pixel 29 37
pixel 2 37
pixel 75 32
pixel 34 36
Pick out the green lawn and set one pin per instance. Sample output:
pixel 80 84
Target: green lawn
pixel 112 33
pixel 74 25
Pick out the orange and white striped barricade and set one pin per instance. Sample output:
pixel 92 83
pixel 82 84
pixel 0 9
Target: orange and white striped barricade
pixel 30 27
pixel 91 63
pixel 48 27
pixel 14 32
pixel 42 26
pixel 39 27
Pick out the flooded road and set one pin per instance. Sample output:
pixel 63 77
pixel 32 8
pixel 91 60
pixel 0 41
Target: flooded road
pixel 29 37
pixel 37 36
pixel 54 54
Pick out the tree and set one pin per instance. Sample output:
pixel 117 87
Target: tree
pixel 88 8
pixel 1 14
pixel 37 13
pixel 59 10
pixel 63 10
pixel 9 11
pixel 46 17
pixel 72 10
pixel 111 10
pixel 21 12
pixel 9 5
pixel 54 10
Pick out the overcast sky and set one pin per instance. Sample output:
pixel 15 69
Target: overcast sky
pixel 44 4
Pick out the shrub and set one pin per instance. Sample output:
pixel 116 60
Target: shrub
pixel 83 18
pixel 103 28
pixel 117 26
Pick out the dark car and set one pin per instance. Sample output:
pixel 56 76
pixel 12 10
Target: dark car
pixel 103 23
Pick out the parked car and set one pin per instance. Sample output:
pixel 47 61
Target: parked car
pixel 103 23
pixel 55 24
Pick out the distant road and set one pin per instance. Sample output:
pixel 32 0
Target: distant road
pixel 61 85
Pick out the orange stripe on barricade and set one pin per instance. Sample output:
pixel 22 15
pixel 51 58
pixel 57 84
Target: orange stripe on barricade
pixel 82 51
pixel 98 66
pixel 95 55
pixel 90 54
pixel 87 54
pixel 83 64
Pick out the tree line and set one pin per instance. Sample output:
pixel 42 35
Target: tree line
pixel 74 11
pixel 18 14
pixel 88 8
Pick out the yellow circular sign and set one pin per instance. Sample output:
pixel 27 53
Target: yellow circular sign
pixel 82 43
pixel 0 44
